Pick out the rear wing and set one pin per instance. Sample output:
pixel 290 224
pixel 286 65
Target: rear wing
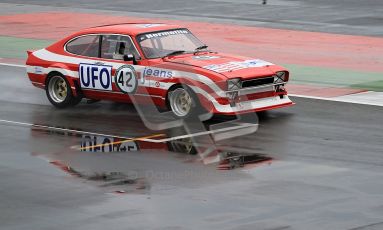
pixel 29 52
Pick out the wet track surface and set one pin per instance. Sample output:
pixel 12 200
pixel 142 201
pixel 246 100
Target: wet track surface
pixel 317 165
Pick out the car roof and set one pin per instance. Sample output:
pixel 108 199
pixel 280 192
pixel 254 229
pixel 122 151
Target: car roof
pixel 130 28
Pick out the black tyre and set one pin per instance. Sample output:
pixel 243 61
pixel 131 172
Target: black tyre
pixel 59 92
pixel 184 145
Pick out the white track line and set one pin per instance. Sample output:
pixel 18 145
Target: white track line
pixel 62 129
pixel 13 65
pixel 293 95
pixel 338 99
pixel 244 125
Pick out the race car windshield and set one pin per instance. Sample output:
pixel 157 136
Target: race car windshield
pixel 162 43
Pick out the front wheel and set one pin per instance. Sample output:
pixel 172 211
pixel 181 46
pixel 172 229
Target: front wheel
pixel 183 103
pixel 59 92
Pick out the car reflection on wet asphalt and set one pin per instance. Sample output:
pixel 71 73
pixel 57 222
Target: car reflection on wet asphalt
pixel 121 165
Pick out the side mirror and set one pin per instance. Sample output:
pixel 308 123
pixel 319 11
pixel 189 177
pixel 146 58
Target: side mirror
pixel 130 57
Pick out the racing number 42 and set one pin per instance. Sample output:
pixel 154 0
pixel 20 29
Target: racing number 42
pixel 121 79
pixel 126 79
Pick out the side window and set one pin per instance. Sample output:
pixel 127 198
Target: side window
pixel 85 46
pixel 116 46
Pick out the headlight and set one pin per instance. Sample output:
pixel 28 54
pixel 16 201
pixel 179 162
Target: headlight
pixel 280 77
pixel 234 84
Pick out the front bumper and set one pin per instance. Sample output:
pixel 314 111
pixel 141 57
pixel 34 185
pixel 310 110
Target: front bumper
pixel 249 106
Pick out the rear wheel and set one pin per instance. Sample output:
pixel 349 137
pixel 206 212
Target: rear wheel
pixel 59 92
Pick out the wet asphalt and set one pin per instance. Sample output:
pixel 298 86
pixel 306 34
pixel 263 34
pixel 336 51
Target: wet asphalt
pixel 317 165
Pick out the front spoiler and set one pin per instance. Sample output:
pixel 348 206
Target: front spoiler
pixel 257 105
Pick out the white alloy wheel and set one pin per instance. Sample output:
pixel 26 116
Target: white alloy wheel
pixel 58 89
pixel 181 102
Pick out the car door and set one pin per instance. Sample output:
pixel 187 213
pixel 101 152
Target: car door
pixel 101 58
pixel 115 50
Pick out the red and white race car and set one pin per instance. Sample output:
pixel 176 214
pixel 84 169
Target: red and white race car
pixel 166 63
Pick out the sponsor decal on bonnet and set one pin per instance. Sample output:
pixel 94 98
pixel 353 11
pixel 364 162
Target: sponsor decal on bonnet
pixel 237 65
